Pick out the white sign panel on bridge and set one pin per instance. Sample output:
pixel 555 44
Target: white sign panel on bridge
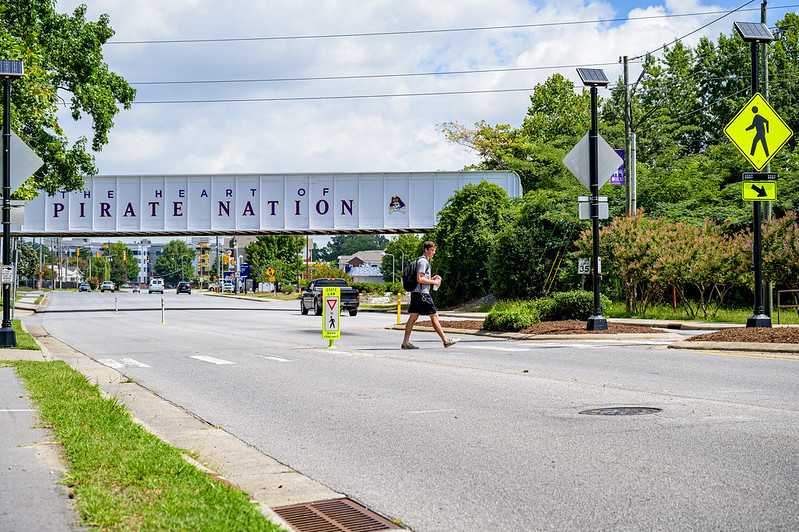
pixel 226 204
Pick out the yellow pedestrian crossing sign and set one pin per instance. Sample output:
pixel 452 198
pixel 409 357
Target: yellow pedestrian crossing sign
pixel 760 190
pixel 758 132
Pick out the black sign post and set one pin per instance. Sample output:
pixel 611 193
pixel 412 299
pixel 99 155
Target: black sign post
pixel 754 34
pixel 8 71
pixel 593 78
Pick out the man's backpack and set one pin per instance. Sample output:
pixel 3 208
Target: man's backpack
pixel 409 281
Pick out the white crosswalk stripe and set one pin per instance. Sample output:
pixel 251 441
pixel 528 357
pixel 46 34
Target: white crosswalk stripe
pixel 212 360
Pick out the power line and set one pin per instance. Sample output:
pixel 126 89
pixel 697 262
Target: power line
pixel 430 31
pixel 367 76
pixel 345 97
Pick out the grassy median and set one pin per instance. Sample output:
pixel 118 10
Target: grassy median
pixel 123 477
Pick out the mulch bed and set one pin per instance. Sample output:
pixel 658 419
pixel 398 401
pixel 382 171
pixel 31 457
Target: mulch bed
pixel 548 327
pixel 757 335
pixel 781 335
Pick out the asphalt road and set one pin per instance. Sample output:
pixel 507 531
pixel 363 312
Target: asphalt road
pixel 487 435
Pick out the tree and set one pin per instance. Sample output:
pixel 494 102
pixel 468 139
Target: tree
pixel 403 247
pixel 467 227
pixel 278 252
pixel 63 59
pixel 349 245
pixel 28 266
pixel 174 263
pixel 528 250
pixel 325 272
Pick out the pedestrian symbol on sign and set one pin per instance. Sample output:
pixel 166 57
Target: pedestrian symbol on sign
pixel 760 125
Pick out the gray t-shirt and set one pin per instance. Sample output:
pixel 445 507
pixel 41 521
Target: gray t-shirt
pixel 423 266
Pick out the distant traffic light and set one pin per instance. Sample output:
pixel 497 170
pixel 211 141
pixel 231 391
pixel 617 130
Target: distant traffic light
pixel 124 255
pixel 77 252
pixel 97 254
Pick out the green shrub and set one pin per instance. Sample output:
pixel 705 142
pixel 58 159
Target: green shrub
pixel 511 316
pixel 574 305
pixel 394 288
pixel 370 288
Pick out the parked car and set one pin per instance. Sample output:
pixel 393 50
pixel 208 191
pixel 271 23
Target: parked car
pixel 156 285
pixel 84 287
pixel 136 289
pixel 107 285
pixel 184 287
pixel 212 287
pixel 312 297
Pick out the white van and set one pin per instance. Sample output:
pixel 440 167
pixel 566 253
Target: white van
pixel 156 285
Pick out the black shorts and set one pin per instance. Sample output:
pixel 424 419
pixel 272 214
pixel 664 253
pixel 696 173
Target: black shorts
pixel 422 304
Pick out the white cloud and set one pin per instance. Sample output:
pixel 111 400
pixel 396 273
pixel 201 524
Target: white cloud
pixel 370 134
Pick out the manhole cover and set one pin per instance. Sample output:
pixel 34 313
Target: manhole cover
pixel 621 411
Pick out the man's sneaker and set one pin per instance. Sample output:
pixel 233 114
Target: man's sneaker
pixel 409 346
pixel 451 341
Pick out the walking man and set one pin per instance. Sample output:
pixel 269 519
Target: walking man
pixel 422 301
pixel 760 125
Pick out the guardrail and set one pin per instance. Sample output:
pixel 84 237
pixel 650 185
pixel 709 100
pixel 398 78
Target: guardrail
pixel 779 301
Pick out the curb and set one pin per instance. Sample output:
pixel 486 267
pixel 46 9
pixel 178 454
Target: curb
pixel 738 346
pixel 666 337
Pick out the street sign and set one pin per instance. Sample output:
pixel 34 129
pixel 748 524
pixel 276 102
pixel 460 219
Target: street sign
pixel 585 207
pixel 584 266
pixel 758 131
pixel 577 161
pixel 24 162
pixel 270 271
pixel 7 274
pixel 331 302
pixel 759 190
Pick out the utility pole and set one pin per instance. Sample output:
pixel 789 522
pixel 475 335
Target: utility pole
pixel 768 302
pixel 629 210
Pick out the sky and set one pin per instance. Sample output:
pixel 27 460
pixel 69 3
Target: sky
pixel 272 107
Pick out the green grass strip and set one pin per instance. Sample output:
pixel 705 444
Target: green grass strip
pixel 24 340
pixel 123 477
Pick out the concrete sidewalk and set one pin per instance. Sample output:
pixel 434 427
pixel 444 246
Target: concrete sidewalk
pixel 31 468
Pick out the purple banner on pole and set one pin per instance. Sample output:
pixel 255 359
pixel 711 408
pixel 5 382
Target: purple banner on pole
pixel 617 178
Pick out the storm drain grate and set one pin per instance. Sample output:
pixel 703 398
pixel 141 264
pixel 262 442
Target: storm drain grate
pixel 339 515
pixel 621 411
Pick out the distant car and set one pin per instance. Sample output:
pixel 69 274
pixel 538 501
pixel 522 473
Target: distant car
pixel 136 289
pixel 84 287
pixel 156 285
pixel 107 285
pixel 184 288
pixel 212 287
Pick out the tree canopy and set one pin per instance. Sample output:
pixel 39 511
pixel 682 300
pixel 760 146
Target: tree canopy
pixel 63 63
pixel 688 182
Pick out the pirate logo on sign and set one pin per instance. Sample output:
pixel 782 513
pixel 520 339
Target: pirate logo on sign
pixel 396 205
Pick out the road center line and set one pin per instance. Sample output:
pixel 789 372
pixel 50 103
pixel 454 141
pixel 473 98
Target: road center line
pixel 212 360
